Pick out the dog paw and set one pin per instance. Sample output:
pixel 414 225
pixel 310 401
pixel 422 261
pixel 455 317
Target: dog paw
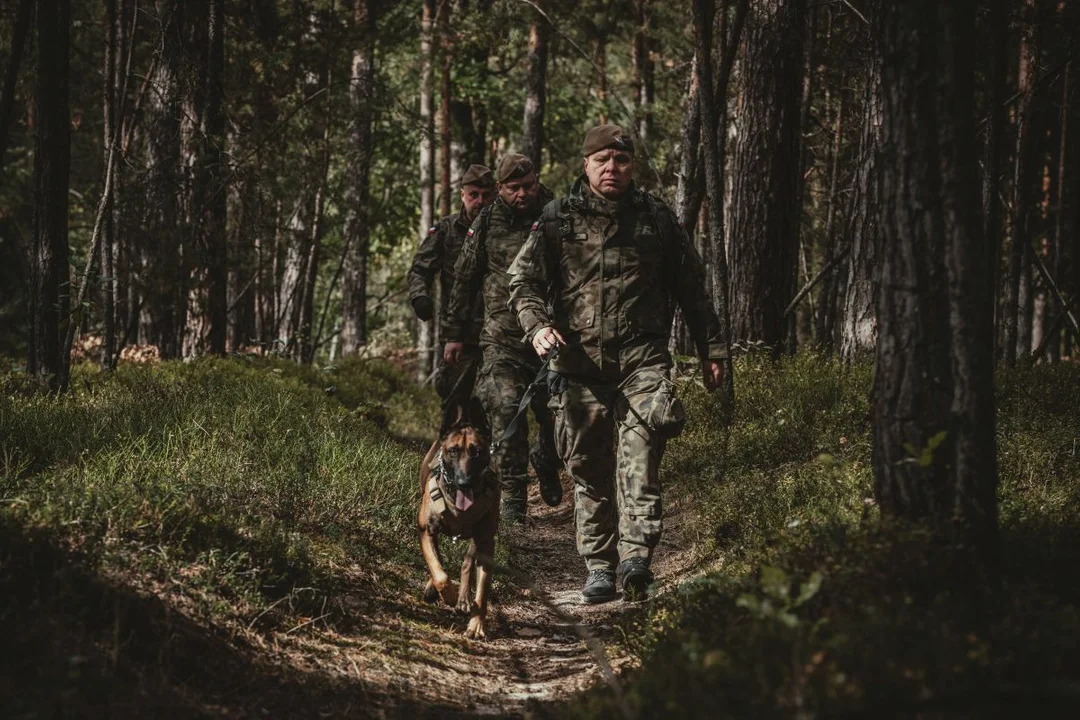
pixel 475 631
pixel 464 604
pixel 430 593
pixel 449 593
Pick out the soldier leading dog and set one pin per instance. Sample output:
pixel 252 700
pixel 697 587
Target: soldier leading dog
pixel 459 497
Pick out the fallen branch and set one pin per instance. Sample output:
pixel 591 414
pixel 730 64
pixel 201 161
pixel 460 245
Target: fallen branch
pixel 817 278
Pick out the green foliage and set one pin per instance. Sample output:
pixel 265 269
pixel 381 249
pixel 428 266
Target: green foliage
pixel 243 476
pixel 817 607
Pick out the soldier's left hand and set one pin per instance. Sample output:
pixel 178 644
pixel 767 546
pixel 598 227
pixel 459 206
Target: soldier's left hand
pixel 712 374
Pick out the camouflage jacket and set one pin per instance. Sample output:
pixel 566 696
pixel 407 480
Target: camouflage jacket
pixel 612 272
pixel 490 246
pixel 437 254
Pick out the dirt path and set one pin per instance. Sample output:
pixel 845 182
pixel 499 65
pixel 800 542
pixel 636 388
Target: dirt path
pixel 531 662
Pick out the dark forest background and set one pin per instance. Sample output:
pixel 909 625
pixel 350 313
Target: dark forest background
pixel 886 196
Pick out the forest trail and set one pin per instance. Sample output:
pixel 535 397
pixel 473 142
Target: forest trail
pixel 415 659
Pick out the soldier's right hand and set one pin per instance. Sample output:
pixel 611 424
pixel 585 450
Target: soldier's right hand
pixel 545 339
pixel 452 352
pixel 423 307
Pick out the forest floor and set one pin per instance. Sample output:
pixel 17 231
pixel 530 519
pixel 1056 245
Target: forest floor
pixel 532 662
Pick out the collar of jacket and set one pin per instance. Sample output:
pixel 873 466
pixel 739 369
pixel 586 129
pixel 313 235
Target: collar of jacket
pixel 462 219
pixel 584 200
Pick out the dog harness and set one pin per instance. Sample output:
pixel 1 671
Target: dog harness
pixel 459 522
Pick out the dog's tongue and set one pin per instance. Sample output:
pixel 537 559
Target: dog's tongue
pixel 464 500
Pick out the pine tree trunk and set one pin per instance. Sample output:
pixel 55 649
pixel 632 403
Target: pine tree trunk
pixel 688 191
pixel 425 335
pixel 358 228
pixel 207 320
pixel 859 330
pixel 765 172
pixel 443 120
pixel 49 299
pixel 933 405
pixel 826 314
pixel 1024 174
pixel 20 35
pixel 641 64
pixel 535 91
pixel 163 272
pixel 997 30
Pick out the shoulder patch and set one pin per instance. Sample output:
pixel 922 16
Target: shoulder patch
pixel 433 229
pixel 470 233
pixel 536 225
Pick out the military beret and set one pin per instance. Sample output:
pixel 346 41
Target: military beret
pixel 478 175
pixel 513 166
pixel 603 137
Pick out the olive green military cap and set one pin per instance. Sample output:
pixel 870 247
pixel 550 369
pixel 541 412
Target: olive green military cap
pixel 478 175
pixel 512 167
pixel 603 137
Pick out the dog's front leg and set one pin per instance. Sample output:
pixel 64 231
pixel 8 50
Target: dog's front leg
pixel 429 544
pixel 464 602
pixel 485 551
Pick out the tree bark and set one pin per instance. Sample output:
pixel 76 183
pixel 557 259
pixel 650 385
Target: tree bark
pixel 535 91
pixel 704 13
pixel 1024 181
pixel 163 281
pixel 642 78
pixel 357 224
pixel 443 120
pixel 688 191
pixel 765 192
pixel 50 287
pixel 827 298
pixel 934 451
pixel 207 320
pixel 859 330
pixel 20 34
pixel 425 336
pixel 997 30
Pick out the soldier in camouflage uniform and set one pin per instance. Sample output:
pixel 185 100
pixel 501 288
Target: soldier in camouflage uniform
pixel 510 364
pixel 612 261
pixel 436 255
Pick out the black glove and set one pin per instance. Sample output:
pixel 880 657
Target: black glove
pixel 423 307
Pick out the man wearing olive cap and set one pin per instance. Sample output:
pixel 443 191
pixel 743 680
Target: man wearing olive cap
pixel 436 255
pixel 510 365
pixel 612 262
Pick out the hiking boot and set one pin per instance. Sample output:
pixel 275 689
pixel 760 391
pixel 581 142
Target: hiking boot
pixel 548 475
pixel 599 586
pixel 635 578
pixel 513 511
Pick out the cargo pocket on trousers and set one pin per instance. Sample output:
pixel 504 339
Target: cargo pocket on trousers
pixel 665 414
pixel 646 510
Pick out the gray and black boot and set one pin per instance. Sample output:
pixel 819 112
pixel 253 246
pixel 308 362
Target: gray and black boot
pixel 514 502
pixel 635 578
pixel 599 586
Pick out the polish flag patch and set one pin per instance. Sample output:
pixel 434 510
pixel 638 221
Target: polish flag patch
pixel 470 233
pixel 433 230
pixel 536 225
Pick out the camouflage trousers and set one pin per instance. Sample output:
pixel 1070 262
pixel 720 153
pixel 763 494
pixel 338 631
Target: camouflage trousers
pixel 604 437
pixel 500 385
pixel 454 383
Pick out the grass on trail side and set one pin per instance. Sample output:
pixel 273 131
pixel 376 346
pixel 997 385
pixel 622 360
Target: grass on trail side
pixel 235 489
pixel 160 522
pixel 818 608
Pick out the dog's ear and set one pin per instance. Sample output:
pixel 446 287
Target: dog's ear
pixel 453 415
pixel 475 415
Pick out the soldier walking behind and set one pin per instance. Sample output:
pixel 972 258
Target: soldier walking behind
pixel 436 255
pixel 612 261
pixel 510 365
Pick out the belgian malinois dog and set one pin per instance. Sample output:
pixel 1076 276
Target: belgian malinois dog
pixel 459 496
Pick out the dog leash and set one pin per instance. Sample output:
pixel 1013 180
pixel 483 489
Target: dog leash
pixel 543 377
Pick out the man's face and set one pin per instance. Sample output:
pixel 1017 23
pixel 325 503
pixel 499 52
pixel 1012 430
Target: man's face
pixel 475 199
pixel 520 193
pixel 610 172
